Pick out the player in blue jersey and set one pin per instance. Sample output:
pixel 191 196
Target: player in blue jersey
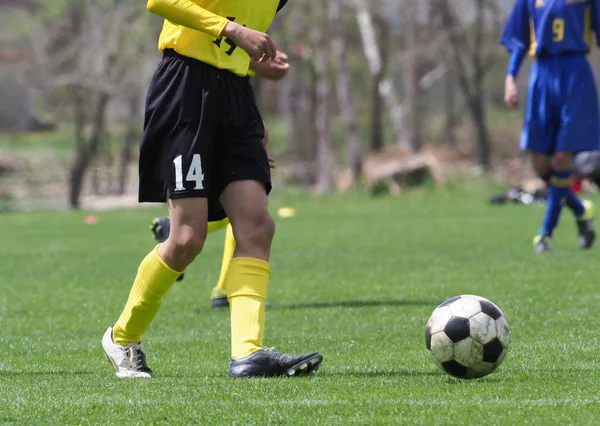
pixel 562 113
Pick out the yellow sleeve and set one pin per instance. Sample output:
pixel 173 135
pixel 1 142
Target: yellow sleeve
pixel 188 14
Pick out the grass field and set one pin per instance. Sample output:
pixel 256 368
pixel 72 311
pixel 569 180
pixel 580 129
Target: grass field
pixel 354 278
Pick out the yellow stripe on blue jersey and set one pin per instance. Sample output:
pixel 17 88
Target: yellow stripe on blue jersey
pixel 587 31
pixel 532 39
pixel 220 52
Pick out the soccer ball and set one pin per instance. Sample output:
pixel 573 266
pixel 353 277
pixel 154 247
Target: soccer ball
pixel 467 336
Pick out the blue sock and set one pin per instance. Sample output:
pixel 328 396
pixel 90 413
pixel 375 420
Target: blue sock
pixel 574 203
pixel 558 194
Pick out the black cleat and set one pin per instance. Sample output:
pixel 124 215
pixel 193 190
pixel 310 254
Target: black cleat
pixel 219 302
pixel 587 235
pixel 267 363
pixel 218 298
pixel 161 227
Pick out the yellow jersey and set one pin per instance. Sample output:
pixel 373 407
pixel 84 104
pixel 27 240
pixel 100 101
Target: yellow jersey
pixel 193 28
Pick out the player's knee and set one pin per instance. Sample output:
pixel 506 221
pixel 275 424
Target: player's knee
pixel 562 161
pixel 186 243
pixel 256 230
pixel 541 165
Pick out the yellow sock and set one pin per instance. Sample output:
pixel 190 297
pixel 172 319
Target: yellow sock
pixel 153 280
pixel 247 283
pixel 215 226
pixel 220 290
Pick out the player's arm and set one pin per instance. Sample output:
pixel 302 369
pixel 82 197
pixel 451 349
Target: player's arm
pixel 188 14
pixel 272 70
pixel 516 38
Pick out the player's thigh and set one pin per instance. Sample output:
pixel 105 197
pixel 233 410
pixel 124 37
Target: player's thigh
pixel 246 204
pixel 580 113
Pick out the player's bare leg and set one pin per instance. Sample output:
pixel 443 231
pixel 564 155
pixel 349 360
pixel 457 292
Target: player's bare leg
pixel 161 227
pixel 247 280
pixel 156 274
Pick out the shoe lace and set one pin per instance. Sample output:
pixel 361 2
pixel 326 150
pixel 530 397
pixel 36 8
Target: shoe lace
pixel 281 358
pixel 136 357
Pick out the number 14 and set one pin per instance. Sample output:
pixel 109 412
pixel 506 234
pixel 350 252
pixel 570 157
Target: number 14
pixel 558 29
pixel 194 173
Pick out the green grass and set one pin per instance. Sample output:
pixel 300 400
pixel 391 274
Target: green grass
pixel 355 278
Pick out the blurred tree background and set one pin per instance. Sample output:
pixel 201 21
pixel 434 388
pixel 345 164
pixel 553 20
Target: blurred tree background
pixel 391 91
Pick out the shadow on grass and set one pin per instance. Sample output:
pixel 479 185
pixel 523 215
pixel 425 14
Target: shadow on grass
pixel 356 304
pixel 47 373
pixel 375 374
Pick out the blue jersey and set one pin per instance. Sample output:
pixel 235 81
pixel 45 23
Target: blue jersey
pixel 562 112
pixel 552 27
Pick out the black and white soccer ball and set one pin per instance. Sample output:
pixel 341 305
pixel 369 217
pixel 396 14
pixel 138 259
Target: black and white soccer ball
pixel 468 336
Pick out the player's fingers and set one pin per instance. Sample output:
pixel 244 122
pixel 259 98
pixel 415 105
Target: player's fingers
pixel 282 60
pixel 258 56
pixel 272 48
pixel 267 51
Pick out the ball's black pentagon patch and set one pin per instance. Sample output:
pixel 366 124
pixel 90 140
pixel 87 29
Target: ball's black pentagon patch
pixel 428 338
pixel 454 368
pixel 457 329
pixel 492 350
pixel 447 302
pixel 490 309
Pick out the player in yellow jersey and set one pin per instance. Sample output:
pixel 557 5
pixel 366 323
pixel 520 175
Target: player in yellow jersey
pixel 273 70
pixel 202 153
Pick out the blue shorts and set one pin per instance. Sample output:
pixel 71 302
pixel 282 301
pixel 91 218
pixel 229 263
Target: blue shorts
pixel 562 113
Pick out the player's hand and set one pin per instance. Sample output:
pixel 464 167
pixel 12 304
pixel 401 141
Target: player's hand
pixel 266 145
pixel 272 70
pixel 511 93
pixel 258 45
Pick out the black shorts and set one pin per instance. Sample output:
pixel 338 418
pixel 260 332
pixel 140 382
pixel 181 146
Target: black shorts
pixel 202 131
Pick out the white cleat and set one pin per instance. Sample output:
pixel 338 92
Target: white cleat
pixel 130 360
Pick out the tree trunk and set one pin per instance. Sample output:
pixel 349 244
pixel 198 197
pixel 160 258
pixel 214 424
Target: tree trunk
pixel 412 67
pixel 376 49
pixel 472 82
pixel 129 139
pixel 478 109
pixel 344 91
pixel 86 152
pixel 479 112
pixel 450 120
pixel 325 150
pixel 377 137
